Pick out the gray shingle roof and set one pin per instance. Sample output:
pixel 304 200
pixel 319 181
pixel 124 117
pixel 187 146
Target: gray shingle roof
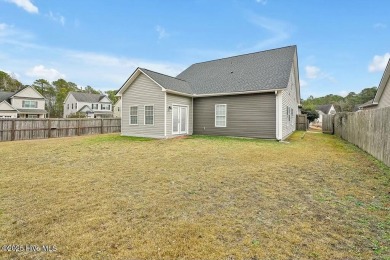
pixel 169 82
pixel 6 95
pixel 324 108
pixel 265 70
pixel 369 103
pixel 86 97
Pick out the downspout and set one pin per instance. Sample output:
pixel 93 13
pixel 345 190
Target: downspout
pixel 165 114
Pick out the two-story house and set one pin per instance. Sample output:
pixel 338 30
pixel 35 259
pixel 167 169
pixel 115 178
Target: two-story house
pixel 118 108
pixel 325 110
pixel 24 103
pixel 92 105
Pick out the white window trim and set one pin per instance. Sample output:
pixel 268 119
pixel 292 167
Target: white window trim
pixel 187 120
pixel 145 114
pixel 23 102
pixel 101 107
pixel 215 114
pixel 130 115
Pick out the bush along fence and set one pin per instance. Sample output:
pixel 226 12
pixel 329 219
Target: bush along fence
pixel 367 129
pixel 27 129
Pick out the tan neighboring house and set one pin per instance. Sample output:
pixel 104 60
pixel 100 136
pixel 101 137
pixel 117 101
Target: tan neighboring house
pixel 382 97
pixel 324 110
pixel 118 108
pixel 92 105
pixel 251 95
pixel 24 103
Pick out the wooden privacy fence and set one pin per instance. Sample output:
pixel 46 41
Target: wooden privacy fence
pixel 302 122
pixel 367 129
pixel 27 129
pixel 327 124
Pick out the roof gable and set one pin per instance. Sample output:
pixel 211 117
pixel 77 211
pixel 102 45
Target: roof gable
pixel 87 97
pixel 5 106
pixel 28 92
pixel 132 78
pixel 249 73
pixel 324 108
pixel 105 99
pixel 382 84
pixel 85 109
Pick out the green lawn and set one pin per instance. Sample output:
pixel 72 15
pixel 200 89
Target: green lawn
pixel 102 197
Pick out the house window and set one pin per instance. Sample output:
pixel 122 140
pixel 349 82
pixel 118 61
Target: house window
pixel 118 108
pixel 67 107
pixel 288 114
pixel 75 106
pixel 72 105
pixel 220 115
pixel 30 104
pixel 149 115
pixel 95 106
pixel 105 107
pixel 134 115
pixel 292 116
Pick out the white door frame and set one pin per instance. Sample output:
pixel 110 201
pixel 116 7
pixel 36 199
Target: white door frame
pixel 179 106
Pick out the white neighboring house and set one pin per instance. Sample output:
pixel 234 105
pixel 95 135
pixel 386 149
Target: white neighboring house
pixel 382 96
pixel 118 108
pixel 325 110
pixel 24 103
pixel 93 105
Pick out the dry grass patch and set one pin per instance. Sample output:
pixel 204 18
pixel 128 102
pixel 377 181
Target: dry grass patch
pixel 107 196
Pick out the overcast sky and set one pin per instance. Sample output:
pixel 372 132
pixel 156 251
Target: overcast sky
pixel 343 46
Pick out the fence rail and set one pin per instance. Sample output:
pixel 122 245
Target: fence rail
pixel 27 129
pixel 367 129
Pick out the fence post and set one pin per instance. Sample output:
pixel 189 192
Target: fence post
pixel 78 126
pixel 101 129
pixel 48 128
pixel 13 130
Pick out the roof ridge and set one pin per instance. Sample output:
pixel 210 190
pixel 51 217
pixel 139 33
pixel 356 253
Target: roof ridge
pixel 164 75
pixel 239 55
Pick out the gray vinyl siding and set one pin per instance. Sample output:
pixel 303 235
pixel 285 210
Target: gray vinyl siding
pixel 252 115
pixel 143 92
pixel 178 100
pixel 385 98
pixel 289 98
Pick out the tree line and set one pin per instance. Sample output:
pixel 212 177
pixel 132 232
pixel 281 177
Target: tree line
pixel 348 103
pixel 54 92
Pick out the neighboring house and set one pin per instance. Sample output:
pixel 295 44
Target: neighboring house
pixel 24 103
pixel 382 97
pixel 92 105
pixel 324 110
pixel 118 108
pixel 250 95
